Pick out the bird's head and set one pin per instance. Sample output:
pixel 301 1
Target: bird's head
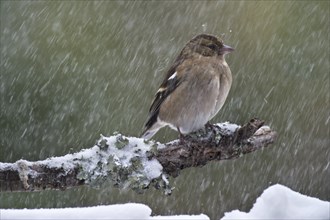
pixel 207 45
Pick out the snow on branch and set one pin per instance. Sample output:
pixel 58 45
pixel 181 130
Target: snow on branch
pixel 130 162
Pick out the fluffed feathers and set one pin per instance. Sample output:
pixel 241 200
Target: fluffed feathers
pixel 194 89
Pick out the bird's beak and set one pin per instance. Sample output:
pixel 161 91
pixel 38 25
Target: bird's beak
pixel 226 49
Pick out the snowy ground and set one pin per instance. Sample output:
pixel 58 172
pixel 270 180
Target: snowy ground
pixel 280 202
pixel 276 202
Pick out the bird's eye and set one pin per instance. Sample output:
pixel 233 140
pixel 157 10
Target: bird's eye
pixel 212 46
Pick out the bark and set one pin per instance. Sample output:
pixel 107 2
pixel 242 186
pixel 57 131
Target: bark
pixel 197 149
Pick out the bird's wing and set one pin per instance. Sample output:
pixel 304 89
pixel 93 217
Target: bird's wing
pixel 170 83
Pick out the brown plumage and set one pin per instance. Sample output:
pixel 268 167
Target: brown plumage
pixel 194 89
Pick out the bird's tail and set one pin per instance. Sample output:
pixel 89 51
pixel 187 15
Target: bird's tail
pixel 150 131
pixel 147 134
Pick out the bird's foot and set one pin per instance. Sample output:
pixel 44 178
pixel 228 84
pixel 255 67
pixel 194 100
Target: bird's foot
pixel 182 137
pixel 209 126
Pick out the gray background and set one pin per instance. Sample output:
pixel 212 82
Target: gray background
pixel 72 70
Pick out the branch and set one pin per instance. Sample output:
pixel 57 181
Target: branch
pixel 134 162
pixel 218 143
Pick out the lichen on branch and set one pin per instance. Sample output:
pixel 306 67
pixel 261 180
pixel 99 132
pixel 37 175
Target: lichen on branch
pixel 130 162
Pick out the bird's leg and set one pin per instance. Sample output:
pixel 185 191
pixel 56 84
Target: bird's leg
pixel 208 126
pixel 181 136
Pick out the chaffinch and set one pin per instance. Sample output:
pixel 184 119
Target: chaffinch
pixel 194 89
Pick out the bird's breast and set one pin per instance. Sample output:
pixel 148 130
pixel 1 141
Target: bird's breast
pixel 225 81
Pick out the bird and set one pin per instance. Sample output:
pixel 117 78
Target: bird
pixel 194 89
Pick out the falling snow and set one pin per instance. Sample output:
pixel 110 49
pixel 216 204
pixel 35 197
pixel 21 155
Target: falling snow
pixel 72 70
